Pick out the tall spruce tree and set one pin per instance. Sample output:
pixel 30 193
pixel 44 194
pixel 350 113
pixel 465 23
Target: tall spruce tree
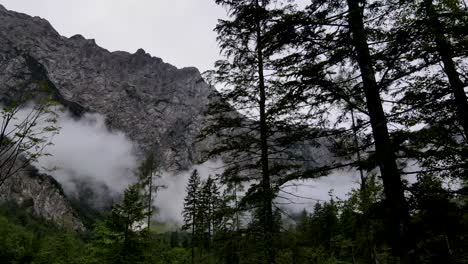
pixel 191 209
pixel 445 51
pixel 148 176
pixel 336 58
pixel 372 58
pixel 385 153
pixel 241 40
pixel 208 210
pixel 255 118
pixel 120 237
pixel 429 57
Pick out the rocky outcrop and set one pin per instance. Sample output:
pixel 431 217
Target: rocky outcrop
pixel 157 105
pixel 42 195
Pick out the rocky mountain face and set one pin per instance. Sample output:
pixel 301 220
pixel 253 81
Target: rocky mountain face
pixel 42 195
pixel 156 105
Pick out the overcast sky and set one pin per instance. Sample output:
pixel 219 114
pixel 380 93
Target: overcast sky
pixel 178 31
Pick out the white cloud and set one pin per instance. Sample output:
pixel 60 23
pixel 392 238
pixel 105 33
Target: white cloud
pixel 170 201
pixel 85 149
pixel 304 194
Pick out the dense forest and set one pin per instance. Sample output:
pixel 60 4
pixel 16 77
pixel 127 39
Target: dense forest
pixel 380 84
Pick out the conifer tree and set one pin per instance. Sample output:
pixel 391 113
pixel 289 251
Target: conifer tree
pixel 209 210
pixel 330 57
pixel 385 154
pixel 131 212
pixel 241 40
pixel 148 176
pixel 429 54
pixel 363 57
pixel 252 117
pixel 120 237
pixel 334 50
pixel 191 209
pixel 446 53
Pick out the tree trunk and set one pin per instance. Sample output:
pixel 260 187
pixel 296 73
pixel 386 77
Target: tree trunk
pixel 446 54
pixel 393 187
pixel 363 194
pixel 358 154
pixel 210 221
pixel 237 226
pixel 193 237
pixel 150 194
pixel 266 185
pixel 125 242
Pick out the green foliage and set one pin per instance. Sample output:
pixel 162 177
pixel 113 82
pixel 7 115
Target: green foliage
pixel 16 243
pixel 176 256
pixel 26 129
pixel 191 202
pixel 149 174
pixel 61 249
pixel 27 239
pixel 121 238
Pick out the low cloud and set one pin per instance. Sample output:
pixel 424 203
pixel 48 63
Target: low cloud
pixel 170 201
pixel 298 195
pixel 294 196
pixel 86 150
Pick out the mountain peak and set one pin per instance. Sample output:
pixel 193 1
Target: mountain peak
pixel 140 52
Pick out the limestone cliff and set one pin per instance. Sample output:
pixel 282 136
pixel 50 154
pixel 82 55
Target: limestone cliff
pixel 41 195
pixel 157 105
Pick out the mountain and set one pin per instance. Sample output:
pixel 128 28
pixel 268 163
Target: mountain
pixel 158 106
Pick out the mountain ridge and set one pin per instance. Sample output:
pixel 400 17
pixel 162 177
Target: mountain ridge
pixel 148 99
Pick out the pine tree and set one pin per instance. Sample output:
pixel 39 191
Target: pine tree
pixel 430 53
pixel 446 54
pixel 148 176
pixel 130 213
pixel 385 154
pixel 120 237
pixel 252 116
pixel 209 207
pixel 191 209
pixel 375 59
pixel 335 66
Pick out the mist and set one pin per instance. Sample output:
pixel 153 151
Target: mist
pixel 170 200
pixel 85 150
pixel 297 195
